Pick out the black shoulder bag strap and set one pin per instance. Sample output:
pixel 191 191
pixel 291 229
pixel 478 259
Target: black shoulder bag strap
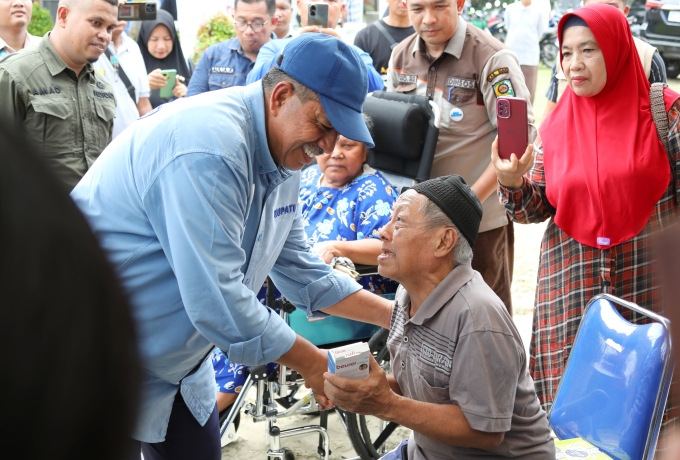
pixel 126 81
pixel 381 28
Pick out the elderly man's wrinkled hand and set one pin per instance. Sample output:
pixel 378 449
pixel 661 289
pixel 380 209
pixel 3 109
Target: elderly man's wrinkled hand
pixel 369 396
pixel 510 172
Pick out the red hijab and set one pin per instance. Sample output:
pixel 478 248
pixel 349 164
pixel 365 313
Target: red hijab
pixel 605 168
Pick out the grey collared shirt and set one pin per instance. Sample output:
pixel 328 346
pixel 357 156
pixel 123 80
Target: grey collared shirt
pixel 461 347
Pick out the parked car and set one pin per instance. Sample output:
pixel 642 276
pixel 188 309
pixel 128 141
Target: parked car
pixel 661 29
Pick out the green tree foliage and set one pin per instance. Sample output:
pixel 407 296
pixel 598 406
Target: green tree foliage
pixel 219 28
pixel 41 21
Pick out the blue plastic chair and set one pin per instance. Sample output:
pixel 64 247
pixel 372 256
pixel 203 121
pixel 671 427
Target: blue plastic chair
pixel 614 388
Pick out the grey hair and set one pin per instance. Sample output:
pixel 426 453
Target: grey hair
pixel 275 76
pixel 433 218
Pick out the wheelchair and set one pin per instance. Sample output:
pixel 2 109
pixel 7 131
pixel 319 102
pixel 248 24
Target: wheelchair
pixel 406 132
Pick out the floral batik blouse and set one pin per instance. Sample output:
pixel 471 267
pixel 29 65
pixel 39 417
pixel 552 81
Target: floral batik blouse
pixel 355 211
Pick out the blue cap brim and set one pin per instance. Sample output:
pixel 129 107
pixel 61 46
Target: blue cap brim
pixel 346 121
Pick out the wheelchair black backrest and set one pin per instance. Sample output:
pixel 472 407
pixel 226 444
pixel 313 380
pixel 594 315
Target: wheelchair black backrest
pixel 405 134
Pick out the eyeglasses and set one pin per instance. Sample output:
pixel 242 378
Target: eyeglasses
pixel 243 26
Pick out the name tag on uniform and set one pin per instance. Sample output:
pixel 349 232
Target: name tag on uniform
pixel 217 69
pixel 406 78
pixel 461 82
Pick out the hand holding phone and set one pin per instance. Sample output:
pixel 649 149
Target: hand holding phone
pixel 317 14
pixel 513 126
pixel 171 78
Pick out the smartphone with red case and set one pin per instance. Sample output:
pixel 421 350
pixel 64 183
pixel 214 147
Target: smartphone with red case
pixel 513 126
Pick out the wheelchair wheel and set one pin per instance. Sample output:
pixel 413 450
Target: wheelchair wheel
pixel 366 438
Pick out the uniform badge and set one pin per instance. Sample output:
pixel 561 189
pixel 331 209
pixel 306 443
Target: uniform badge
pixel 503 88
pixel 407 78
pixel 100 85
pixel 496 73
pixel 456 114
pixel 458 82
pixel 220 69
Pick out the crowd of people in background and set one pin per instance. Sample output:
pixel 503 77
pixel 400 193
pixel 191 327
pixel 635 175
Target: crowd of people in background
pixel 87 82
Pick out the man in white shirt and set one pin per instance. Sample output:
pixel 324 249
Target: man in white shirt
pixel 132 97
pixel 14 18
pixel 525 22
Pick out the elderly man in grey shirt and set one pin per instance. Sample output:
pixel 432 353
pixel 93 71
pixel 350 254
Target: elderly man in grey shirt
pixel 460 378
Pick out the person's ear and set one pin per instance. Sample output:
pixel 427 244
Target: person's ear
pixel 62 13
pixel 448 237
pixel 281 95
pixel 461 5
pixel 274 20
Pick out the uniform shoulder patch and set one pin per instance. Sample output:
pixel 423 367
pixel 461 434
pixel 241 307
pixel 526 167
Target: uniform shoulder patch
pixel 504 88
pixel 496 73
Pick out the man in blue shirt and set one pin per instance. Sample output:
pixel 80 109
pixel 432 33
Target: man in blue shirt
pixel 270 52
pixel 195 204
pixel 227 64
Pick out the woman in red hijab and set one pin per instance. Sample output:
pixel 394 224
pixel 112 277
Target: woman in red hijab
pixel 603 177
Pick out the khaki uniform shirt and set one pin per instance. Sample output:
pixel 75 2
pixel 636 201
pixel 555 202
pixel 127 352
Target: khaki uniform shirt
pixel 464 82
pixel 6 50
pixel 461 347
pixel 69 118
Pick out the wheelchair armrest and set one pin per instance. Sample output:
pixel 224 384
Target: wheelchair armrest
pixel 364 270
pixel 258 372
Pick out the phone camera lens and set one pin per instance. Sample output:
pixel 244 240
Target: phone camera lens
pixel 312 10
pixel 150 8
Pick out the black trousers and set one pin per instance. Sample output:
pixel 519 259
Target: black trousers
pixel 185 438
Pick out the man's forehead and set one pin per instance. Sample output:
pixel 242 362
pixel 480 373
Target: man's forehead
pixel 408 199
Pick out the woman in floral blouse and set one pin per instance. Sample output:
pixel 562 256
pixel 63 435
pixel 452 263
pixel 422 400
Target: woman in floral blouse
pixel 344 204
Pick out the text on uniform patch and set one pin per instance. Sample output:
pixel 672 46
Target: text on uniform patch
pixel 284 210
pixel 497 72
pixel 219 69
pixel 461 82
pixel 43 91
pixel 405 78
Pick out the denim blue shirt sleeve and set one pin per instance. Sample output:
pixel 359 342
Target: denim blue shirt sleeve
pixel 193 221
pixel 222 65
pixel 266 59
pixel 199 80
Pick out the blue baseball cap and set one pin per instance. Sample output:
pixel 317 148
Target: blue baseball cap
pixel 331 68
